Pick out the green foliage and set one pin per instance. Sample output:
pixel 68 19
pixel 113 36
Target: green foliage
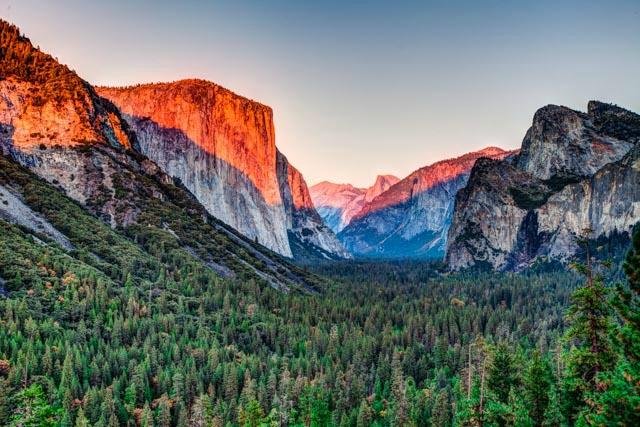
pixel 32 409
pixel 617 401
pixel 591 352
pixel 130 327
pixel 537 385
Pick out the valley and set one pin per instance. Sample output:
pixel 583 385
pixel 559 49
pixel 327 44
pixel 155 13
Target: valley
pixel 162 263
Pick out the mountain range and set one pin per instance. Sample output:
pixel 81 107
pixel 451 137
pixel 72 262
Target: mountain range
pixel 408 219
pixel 575 173
pixel 93 143
pixel 339 203
pixel 577 177
pixel 199 163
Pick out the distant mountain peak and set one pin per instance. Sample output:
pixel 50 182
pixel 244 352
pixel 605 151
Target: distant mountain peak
pixel 339 203
pixel 410 218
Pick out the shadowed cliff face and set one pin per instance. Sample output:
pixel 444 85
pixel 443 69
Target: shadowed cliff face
pixel 575 171
pixel 412 217
pixel 309 236
pixel 222 148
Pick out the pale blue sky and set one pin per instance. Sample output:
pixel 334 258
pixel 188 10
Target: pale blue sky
pixel 364 87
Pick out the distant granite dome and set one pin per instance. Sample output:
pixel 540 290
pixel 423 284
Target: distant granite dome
pixel 575 171
pixel 339 203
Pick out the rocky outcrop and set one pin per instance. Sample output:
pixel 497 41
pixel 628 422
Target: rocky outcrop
pixel 576 171
pixel 412 217
pixel 309 235
pixel 51 121
pixel 14 210
pixel 565 143
pixel 337 204
pixel 222 148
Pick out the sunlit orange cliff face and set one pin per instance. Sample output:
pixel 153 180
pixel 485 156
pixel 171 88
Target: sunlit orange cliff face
pixel 234 129
pixel 219 145
pixel 222 148
pixel 45 104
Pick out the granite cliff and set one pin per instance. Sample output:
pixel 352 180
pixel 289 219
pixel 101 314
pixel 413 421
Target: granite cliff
pixel 576 171
pixel 58 126
pixel 221 147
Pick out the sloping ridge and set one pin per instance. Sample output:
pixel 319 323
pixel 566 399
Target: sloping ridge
pixel 47 113
pixel 412 217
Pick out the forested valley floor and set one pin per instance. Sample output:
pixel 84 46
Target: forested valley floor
pixel 130 330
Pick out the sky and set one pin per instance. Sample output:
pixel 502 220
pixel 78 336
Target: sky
pixel 361 88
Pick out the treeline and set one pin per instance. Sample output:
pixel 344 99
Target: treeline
pixel 130 329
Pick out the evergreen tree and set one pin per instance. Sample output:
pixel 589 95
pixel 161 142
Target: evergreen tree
pixel 590 324
pixel 365 414
pixel 81 419
pixel 619 402
pixel 502 373
pixel 537 385
pixel 398 390
pixel 32 409
pixel 441 410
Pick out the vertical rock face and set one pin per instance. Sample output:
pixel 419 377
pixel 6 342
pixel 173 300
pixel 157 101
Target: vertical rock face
pixel 575 171
pixel 566 143
pixel 222 148
pixel 411 218
pixel 337 204
pixel 308 234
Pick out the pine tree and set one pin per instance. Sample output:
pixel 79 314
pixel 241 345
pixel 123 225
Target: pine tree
pixel 537 385
pixel 163 416
pixel 502 373
pixel 365 414
pixel 398 390
pixel 590 325
pixel 81 419
pixel 619 403
pixel 32 409
pixel 441 410
pixel 146 418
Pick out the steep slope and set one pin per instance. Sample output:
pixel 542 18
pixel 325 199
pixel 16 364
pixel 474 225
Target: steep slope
pixel 309 236
pixel 576 171
pixel 222 148
pixel 337 204
pixel 412 217
pixel 78 143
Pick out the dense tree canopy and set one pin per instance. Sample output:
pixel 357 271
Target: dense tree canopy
pixel 128 328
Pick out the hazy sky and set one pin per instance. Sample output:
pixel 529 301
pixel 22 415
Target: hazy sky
pixel 361 88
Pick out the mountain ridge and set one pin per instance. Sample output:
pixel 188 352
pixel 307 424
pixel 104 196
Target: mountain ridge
pixel 573 173
pixel 53 121
pixel 411 218
pixel 339 203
